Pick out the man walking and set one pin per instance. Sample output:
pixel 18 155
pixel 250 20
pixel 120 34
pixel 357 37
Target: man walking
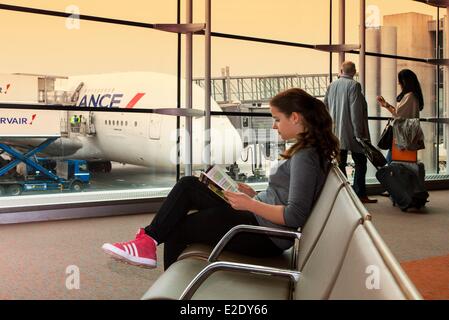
pixel 348 109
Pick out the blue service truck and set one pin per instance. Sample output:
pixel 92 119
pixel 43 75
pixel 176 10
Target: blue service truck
pixel 41 174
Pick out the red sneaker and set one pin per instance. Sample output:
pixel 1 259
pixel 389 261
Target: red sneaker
pixel 139 252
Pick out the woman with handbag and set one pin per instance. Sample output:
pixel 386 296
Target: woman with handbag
pixel 409 102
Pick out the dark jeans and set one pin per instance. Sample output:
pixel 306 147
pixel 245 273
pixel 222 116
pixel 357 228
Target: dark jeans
pixel 359 185
pixel 177 229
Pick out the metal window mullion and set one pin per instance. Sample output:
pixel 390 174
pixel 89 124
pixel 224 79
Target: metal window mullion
pixel 189 87
pixel 437 88
pixel 207 93
pixel 330 40
pixel 362 59
pixel 178 96
pixel 342 30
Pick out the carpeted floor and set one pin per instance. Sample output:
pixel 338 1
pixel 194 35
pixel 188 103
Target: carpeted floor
pixel 430 276
pixel 35 256
pixel 419 240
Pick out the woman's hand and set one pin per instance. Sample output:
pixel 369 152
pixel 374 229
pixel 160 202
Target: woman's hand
pixel 382 101
pixel 386 105
pixel 246 189
pixel 239 201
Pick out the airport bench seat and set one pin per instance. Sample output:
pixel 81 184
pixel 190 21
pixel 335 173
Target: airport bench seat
pixel 289 260
pixel 364 274
pixel 335 180
pixel 334 245
pixel 382 277
pixel 221 285
pixel 202 252
pixel 318 271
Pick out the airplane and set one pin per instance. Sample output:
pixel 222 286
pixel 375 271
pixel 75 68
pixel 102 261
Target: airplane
pixel 132 138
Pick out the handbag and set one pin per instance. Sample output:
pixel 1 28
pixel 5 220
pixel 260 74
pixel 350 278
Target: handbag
pixel 386 138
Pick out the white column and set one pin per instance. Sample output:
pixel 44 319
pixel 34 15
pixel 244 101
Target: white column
pixel 372 88
pixel 388 67
pixel 381 78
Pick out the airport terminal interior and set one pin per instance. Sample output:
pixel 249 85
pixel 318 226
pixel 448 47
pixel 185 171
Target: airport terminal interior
pixel 103 108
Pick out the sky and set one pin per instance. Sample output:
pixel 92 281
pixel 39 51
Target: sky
pixel 54 46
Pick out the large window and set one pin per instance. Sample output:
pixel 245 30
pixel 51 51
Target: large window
pixel 50 60
pixel 258 49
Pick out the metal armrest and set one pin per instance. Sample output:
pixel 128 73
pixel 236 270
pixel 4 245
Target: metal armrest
pixel 251 229
pixel 238 267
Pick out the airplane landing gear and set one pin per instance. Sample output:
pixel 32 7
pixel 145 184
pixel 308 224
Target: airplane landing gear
pixel 107 166
pixel 99 166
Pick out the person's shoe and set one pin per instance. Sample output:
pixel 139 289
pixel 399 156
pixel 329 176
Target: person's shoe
pixel 139 252
pixel 365 199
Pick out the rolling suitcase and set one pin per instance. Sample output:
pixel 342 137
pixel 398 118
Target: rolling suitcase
pixel 416 167
pixel 404 181
pixel 405 187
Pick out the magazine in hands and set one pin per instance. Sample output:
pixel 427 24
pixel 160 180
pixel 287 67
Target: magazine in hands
pixel 217 180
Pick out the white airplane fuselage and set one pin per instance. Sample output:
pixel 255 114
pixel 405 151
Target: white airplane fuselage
pixel 145 139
